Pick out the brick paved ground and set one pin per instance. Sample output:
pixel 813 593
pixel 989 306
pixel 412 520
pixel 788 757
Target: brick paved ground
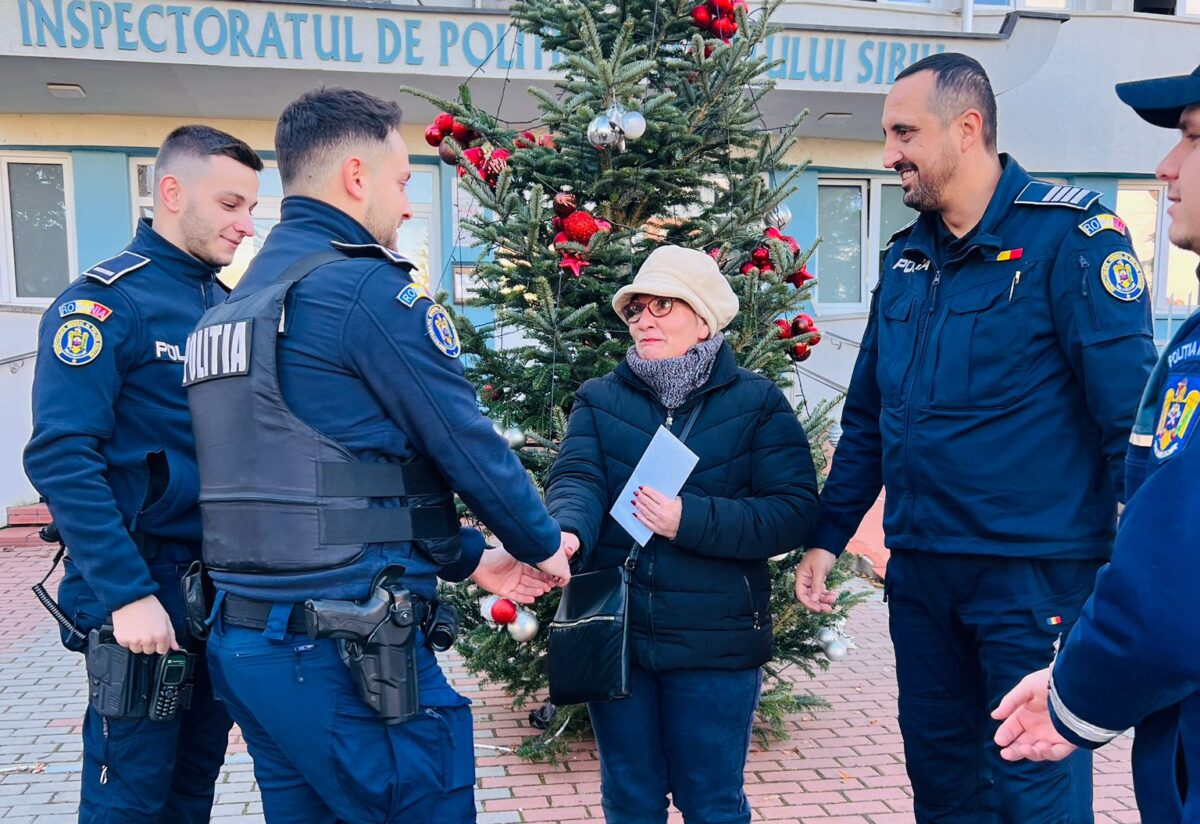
pixel 841 766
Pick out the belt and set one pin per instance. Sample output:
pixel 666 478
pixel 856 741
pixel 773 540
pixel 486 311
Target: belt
pixel 240 611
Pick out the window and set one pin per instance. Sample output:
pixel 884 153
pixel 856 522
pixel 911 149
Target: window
pixel 1170 271
pixel 37 246
pixel 416 240
pixel 855 220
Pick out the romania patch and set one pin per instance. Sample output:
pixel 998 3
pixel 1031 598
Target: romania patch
pixel 1095 225
pixel 442 332
pixel 1177 420
pixel 85 307
pixel 78 342
pixel 1054 620
pixel 1010 254
pixel 1122 277
pixel 412 293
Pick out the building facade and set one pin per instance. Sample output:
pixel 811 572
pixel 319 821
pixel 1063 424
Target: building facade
pixel 91 87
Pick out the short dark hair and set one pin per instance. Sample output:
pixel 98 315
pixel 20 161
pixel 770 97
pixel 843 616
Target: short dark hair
pixel 325 118
pixel 200 141
pixel 961 84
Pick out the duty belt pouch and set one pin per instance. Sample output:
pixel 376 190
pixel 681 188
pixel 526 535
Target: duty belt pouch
pixel 119 681
pixel 588 658
pixel 198 595
pixel 588 654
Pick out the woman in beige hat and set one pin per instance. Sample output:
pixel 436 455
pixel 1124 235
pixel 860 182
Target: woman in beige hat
pixel 700 617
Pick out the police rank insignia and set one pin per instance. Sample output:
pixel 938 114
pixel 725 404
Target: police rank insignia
pixel 442 332
pixel 1095 225
pixel 1122 277
pixel 1177 419
pixel 78 342
pixel 85 307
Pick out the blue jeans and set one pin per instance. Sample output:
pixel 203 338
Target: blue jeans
pixel 682 732
pixel 143 771
pixel 321 755
pixel 966 629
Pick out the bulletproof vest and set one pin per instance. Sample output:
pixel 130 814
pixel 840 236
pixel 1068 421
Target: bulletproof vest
pixel 276 495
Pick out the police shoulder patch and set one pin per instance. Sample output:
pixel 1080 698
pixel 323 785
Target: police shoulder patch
pixel 1040 193
pixel 373 250
pixel 412 293
pixel 85 307
pixel 1178 417
pixel 1122 277
pixel 1098 223
pixel 107 271
pixel 441 331
pixel 78 342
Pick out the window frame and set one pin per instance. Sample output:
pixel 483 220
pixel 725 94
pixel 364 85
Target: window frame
pixel 1162 245
pixel 8 263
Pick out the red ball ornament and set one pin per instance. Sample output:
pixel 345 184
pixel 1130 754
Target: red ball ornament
pixel 461 132
pixel 715 253
pixel 504 611
pixel 761 256
pixel 561 237
pixel 546 141
pixel 474 156
pixel 524 140
pixel 805 320
pixel 791 244
pixel 773 232
pixel 814 337
pixel 800 352
pixel 724 28
pixel 444 122
pixel 748 268
pixel 720 7
pixel 785 328
pixel 702 17
pixel 580 226
pixel 433 135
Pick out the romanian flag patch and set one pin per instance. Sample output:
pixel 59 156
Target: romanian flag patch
pixel 1054 620
pixel 1010 254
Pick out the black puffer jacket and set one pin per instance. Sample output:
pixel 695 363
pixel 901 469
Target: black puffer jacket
pixel 702 600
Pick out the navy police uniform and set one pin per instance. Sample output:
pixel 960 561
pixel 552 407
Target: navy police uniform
pixel 992 397
pixel 350 422
pixel 113 454
pixel 1133 659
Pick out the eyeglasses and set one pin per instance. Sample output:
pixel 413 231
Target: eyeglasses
pixel 659 307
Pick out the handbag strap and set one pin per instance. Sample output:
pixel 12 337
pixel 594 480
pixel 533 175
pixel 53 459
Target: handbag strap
pixel 631 561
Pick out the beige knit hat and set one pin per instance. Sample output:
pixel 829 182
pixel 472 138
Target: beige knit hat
pixel 687 274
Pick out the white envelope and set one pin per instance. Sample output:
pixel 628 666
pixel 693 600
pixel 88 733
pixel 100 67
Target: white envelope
pixel 664 466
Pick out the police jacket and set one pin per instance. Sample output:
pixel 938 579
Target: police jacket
pixel 359 362
pixel 995 390
pixel 112 448
pixel 701 601
pixel 1133 659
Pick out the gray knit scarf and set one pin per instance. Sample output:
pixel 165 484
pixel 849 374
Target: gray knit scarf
pixel 675 379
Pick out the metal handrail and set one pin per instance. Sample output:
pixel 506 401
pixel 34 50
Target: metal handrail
pixel 14 358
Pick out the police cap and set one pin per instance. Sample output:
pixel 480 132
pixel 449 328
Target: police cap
pixel 1161 100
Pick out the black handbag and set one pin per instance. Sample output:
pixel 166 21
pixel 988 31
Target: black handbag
pixel 588 655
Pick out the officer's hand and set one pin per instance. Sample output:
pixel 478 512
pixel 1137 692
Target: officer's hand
pixel 557 566
pixel 570 544
pixel 1027 731
pixel 502 574
pixel 144 626
pixel 811 573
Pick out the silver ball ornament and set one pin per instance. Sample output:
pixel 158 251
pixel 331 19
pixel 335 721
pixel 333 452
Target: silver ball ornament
pixel 525 627
pixel 827 635
pixel 836 650
pixel 601 133
pixel 485 606
pixel 633 124
pixel 515 437
pixel 779 216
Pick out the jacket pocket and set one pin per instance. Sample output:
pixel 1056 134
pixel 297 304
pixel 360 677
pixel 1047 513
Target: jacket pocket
pixel 172 488
pixel 897 344
pixel 983 349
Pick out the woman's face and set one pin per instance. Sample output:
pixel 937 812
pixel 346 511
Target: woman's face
pixel 671 333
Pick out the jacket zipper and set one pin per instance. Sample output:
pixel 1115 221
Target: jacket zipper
pixel 926 322
pixel 1084 265
pixel 750 596
pixel 650 565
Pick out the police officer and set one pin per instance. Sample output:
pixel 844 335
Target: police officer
pixel 1004 354
pixel 112 452
pixel 355 423
pixel 1133 658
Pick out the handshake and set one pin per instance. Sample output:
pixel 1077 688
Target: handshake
pixel 503 575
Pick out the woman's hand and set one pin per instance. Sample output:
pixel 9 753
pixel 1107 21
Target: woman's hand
pixel 660 513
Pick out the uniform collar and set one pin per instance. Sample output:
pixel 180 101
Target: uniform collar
pixel 166 255
pixel 310 214
pixel 1012 180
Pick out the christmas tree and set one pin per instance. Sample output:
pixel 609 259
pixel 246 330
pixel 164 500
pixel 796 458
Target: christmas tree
pixel 653 135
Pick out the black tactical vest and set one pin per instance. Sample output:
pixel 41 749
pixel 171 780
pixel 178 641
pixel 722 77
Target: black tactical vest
pixel 276 495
